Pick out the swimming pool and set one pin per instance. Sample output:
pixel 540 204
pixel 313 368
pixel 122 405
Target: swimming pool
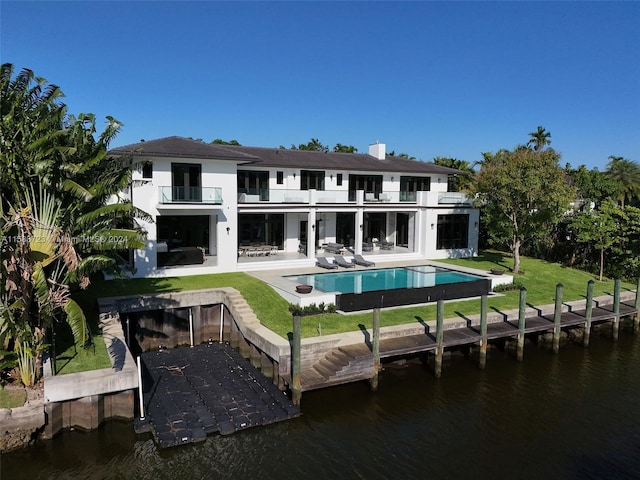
pixel 364 289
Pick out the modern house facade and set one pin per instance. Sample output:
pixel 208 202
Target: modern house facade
pixel 222 208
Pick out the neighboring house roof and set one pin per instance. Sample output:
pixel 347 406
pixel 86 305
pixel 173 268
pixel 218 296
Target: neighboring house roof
pixel 277 157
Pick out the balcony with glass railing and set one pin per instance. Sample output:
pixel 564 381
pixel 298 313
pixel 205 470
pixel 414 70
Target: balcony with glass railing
pixel 454 198
pixel 203 195
pixel 360 197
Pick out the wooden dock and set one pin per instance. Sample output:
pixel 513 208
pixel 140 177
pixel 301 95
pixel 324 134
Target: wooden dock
pixel 356 362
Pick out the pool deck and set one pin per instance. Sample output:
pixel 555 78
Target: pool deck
pixel 287 288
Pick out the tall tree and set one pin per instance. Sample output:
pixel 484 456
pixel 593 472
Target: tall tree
pixel 219 141
pixel 312 145
pixel 592 186
pixel 63 214
pixel 344 148
pixel 598 228
pixel 626 174
pixel 539 139
pixel 459 182
pixel 523 194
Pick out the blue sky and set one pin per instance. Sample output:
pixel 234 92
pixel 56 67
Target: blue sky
pixel 429 79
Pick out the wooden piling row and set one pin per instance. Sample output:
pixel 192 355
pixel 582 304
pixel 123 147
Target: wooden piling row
pixel 521 321
pixel 588 314
pixel 557 317
pixel 616 309
pixel 439 338
pixel 376 349
pixel 636 319
pixel 296 390
pixel 439 334
pixel 483 330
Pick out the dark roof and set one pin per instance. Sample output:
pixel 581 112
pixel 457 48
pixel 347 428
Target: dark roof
pixel 276 157
pixel 183 148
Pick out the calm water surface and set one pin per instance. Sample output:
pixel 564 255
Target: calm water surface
pixel 575 415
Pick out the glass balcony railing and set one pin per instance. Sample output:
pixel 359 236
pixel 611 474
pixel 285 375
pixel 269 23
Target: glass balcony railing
pixel 314 197
pixel 206 195
pixel 455 198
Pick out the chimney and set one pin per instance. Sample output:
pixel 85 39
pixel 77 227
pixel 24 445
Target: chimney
pixel 377 150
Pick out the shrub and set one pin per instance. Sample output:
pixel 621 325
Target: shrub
pixel 313 309
pixel 507 287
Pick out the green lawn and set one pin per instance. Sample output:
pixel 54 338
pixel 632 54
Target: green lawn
pixel 77 359
pixel 12 398
pixel 540 280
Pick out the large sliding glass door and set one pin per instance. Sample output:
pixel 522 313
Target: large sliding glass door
pixel 261 229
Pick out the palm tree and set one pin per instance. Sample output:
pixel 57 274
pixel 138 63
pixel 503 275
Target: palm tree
pixel 539 139
pixel 626 175
pixel 458 183
pixel 58 186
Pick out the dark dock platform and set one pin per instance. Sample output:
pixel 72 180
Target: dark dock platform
pixel 192 392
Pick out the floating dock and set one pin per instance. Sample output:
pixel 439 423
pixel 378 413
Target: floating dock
pixel 192 392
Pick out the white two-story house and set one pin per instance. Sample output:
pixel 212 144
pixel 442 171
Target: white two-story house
pixel 220 208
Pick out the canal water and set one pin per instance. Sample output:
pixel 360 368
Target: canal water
pixel 575 415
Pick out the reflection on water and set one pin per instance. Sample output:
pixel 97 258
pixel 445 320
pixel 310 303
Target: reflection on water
pixel 567 416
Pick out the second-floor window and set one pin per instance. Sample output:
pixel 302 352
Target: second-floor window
pixel 186 181
pixel 311 180
pixel 410 185
pixel 147 170
pixel 371 184
pixel 254 183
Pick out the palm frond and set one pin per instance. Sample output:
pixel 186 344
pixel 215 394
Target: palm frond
pixel 78 322
pixel 77 190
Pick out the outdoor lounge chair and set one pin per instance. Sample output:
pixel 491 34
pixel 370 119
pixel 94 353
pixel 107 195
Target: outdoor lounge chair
pixel 334 248
pixel 324 263
pixel 359 260
pixel 340 260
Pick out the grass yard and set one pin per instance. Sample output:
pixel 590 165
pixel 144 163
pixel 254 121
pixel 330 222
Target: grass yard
pixel 540 280
pixel 12 397
pixel 78 359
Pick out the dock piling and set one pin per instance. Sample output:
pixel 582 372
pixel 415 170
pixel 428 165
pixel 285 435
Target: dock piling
pixel 588 314
pixel 483 331
pixel 439 338
pixel 376 349
pixel 557 317
pixel 636 318
pixel 296 389
pixel 521 323
pixel 616 309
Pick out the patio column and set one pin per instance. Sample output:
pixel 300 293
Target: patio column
pixel 359 230
pixel 311 233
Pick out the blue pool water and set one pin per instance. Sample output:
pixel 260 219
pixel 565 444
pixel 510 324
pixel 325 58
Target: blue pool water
pixel 382 279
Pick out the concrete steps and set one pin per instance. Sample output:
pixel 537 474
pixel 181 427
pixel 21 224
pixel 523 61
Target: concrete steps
pixel 338 366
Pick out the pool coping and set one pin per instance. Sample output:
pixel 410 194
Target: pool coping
pixel 287 289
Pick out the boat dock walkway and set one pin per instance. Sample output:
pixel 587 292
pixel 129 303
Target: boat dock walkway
pixel 349 363
pixel 191 392
pixel 393 347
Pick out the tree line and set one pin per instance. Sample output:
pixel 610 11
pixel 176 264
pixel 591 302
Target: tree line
pixel 65 214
